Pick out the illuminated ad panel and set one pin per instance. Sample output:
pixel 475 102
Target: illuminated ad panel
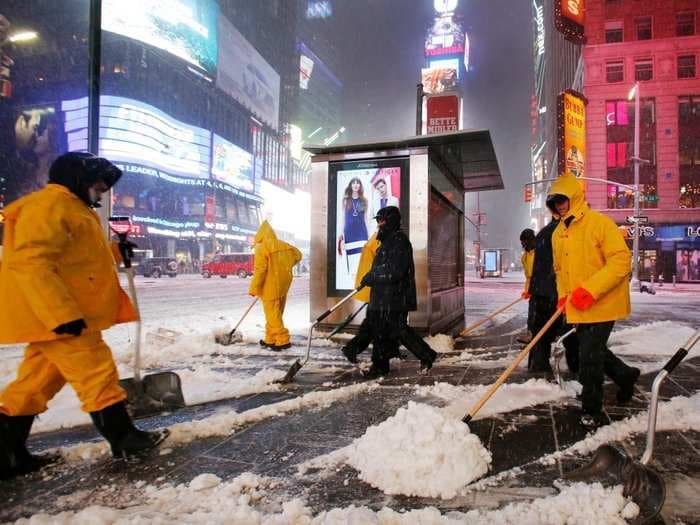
pixel 135 132
pixel 438 80
pixel 357 190
pixel 569 19
pixel 246 76
pixel 572 133
pixel 446 37
pixel 232 165
pixel 184 28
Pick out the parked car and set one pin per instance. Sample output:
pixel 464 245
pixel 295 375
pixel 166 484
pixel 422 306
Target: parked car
pixel 158 267
pixel 223 265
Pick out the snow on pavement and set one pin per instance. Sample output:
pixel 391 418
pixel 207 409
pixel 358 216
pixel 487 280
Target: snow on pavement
pixel 245 500
pixel 419 452
pixel 227 421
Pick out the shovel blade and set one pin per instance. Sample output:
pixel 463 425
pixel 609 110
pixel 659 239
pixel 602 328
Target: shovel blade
pixel 641 483
pixel 289 376
pixel 227 339
pixel 155 393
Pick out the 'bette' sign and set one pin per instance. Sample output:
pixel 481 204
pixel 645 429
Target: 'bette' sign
pixel 443 114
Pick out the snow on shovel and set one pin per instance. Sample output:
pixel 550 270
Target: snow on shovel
pixel 289 376
pixel 506 373
pixel 229 338
pixel 642 483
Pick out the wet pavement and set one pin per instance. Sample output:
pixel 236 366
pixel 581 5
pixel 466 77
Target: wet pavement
pixel 276 446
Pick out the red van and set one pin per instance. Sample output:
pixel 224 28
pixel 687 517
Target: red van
pixel 223 265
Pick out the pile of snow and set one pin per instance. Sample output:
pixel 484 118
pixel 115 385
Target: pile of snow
pixel 202 384
pixel 661 338
pixel 209 500
pixel 441 343
pixel 419 452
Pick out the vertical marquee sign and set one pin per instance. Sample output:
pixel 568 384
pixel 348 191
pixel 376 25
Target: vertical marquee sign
pixel 569 18
pixel 571 133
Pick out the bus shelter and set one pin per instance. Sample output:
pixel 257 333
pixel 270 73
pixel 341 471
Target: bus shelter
pixel 426 177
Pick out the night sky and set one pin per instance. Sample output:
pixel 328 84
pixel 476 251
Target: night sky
pixel 381 49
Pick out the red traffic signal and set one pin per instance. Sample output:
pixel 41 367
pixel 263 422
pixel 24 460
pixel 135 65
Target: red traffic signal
pixel 528 193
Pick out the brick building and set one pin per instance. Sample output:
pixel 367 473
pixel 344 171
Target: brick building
pixel 655 42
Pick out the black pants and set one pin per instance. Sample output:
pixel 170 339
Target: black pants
pixel 388 330
pixel 543 308
pixel 596 359
pixel 364 338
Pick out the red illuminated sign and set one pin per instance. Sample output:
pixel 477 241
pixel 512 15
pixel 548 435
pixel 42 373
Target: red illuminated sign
pixel 569 19
pixel 443 114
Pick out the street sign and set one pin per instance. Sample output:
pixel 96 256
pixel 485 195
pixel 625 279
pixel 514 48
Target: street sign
pixel 640 219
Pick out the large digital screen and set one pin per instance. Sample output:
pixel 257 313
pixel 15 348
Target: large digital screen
pixel 232 165
pixel 184 28
pixel 438 80
pixel 688 265
pixel 357 191
pixel 132 131
pixel 245 75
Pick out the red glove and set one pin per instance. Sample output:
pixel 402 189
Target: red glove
pixel 525 295
pixel 582 299
pixel 562 302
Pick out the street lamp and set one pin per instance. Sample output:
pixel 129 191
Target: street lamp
pixel 634 94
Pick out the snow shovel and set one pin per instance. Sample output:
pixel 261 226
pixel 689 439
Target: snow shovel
pixel 558 353
pixel 493 314
pixel 153 393
pixel 642 483
pixel 232 338
pixel 347 321
pixel 299 364
pixel 506 373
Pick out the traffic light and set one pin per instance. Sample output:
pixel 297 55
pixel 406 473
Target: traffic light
pixel 528 193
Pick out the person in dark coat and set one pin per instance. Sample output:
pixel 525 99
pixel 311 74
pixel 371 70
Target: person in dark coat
pixel 393 295
pixel 543 304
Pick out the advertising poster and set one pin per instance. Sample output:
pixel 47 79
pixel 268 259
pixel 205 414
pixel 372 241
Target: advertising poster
pixel 232 165
pixel 688 265
pixel 245 75
pixel 361 189
pixel 438 80
pixel 184 28
pixel 572 134
pixel 443 114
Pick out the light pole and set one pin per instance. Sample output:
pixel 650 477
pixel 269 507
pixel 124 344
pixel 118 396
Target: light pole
pixel 634 93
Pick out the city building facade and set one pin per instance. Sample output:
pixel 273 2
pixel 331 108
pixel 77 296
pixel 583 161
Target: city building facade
pixel 657 45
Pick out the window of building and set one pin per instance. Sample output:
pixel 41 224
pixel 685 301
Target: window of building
pixel 620 149
pixel 689 150
pixel 643 69
pixel 685 24
pixel 613 31
pixel 643 27
pixel 615 71
pixel 686 66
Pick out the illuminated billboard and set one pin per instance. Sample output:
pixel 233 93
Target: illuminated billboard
pixel 357 191
pixel 184 28
pixel 438 80
pixel 569 19
pixel 246 76
pixel 446 37
pixel 232 165
pixel 572 134
pixel 132 131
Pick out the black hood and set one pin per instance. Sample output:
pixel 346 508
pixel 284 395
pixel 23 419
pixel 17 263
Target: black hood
pixel 392 217
pixel 78 171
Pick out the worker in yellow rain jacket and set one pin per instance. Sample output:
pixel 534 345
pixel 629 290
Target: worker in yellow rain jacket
pixel 527 259
pixel 272 277
pixel 58 290
pixel 362 340
pixel 592 265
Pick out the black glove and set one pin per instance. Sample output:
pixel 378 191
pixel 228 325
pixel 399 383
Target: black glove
pixel 71 328
pixel 126 248
pixel 366 280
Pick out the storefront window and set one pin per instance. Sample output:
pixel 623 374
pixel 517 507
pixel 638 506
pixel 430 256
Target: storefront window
pixel 620 149
pixel 688 265
pixel 689 150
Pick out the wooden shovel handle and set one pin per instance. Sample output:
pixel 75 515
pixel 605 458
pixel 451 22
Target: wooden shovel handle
pixel 512 367
pixel 489 317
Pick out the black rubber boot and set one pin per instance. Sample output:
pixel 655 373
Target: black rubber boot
pixel 349 354
pixel 116 426
pixel 15 459
pixel 626 389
